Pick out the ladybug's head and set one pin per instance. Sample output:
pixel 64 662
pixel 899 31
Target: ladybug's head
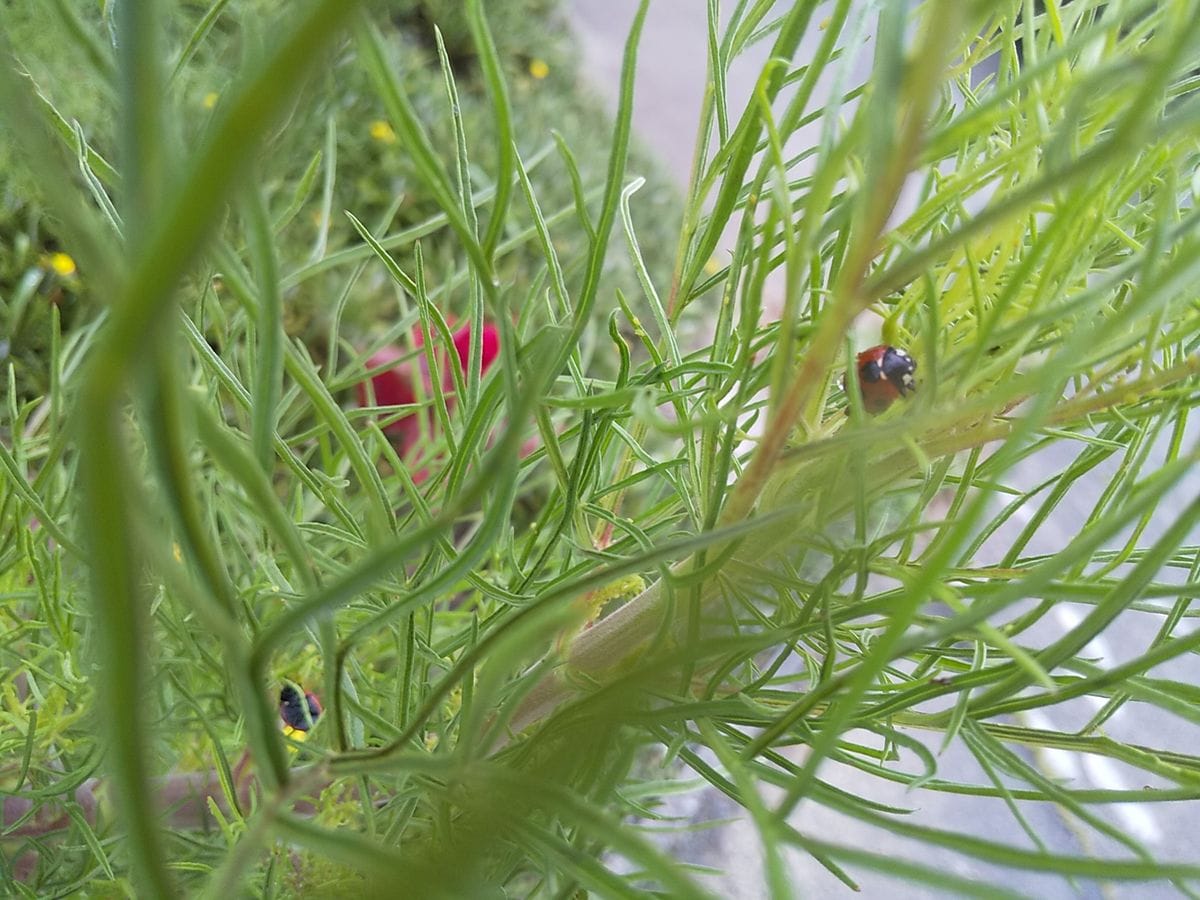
pixel 898 368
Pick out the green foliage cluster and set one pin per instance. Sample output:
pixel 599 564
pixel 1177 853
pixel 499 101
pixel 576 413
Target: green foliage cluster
pixel 334 152
pixel 616 538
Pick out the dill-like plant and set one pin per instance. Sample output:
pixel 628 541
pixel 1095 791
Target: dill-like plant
pixel 660 539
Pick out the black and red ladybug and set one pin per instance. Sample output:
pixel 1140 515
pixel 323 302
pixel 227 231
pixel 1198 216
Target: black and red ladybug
pixel 299 711
pixel 884 373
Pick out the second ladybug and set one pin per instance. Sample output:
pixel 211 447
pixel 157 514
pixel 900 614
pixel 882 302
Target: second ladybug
pixel 884 373
pixel 298 711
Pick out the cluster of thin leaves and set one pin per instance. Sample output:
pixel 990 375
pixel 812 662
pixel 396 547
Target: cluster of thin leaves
pixel 710 548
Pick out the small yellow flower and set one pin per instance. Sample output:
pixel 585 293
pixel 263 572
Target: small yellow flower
pixel 63 264
pixel 382 132
pixel 622 589
pixel 210 99
pixel 295 733
pixel 538 68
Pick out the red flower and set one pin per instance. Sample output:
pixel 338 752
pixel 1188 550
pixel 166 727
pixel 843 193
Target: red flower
pixel 396 384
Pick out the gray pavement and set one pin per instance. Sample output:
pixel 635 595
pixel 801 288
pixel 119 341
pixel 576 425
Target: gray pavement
pixel 671 76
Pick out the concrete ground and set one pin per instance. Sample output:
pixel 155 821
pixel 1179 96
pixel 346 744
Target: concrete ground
pixel 671 78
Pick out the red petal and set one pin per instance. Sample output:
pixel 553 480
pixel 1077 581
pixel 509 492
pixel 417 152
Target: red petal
pixel 395 384
pixel 491 346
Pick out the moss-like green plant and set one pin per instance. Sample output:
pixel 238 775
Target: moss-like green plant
pixel 662 517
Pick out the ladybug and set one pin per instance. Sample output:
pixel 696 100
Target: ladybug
pixel 884 373
pixel 299 712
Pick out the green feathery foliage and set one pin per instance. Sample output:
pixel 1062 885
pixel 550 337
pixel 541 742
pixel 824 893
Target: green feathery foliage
pixel 661 538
